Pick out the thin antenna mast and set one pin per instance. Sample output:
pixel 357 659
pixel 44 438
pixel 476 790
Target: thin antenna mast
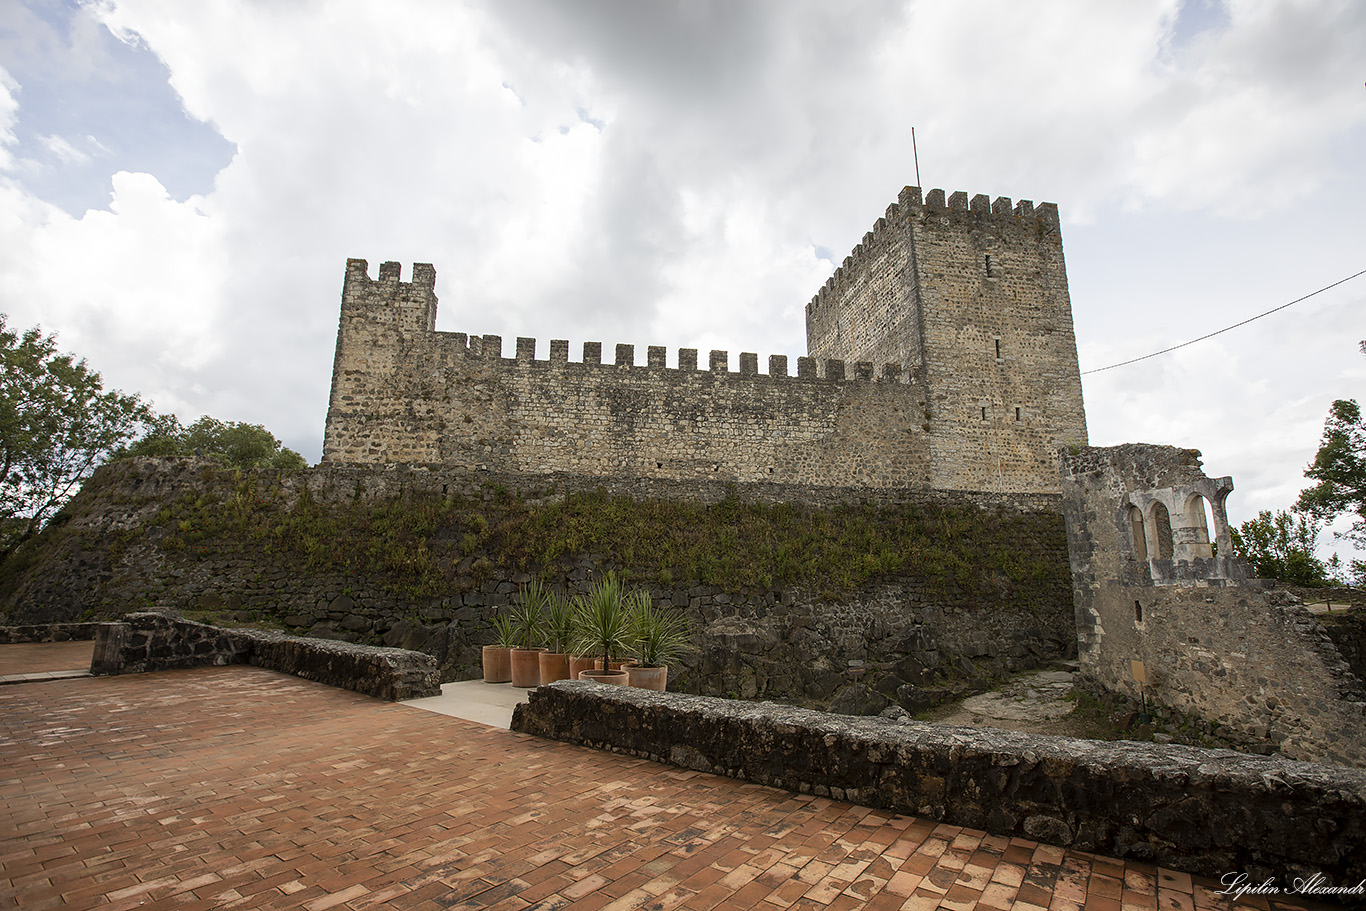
pixel 917 157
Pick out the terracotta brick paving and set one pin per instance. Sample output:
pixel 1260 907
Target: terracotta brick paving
pixel 37 657
pixel 239 787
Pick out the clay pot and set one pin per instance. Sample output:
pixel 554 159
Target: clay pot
pixel 526 667
pixel 617 677
pixel 648 678
pixel 554 666
pixel 497 665
pixel 579 663
pixel 618 665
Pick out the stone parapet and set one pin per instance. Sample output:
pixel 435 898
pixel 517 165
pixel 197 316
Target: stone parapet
pixel 157 642
pixel 48 632
pixel 1209 812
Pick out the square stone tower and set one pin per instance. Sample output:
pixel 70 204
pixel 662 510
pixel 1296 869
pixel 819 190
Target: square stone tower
pixel 971 297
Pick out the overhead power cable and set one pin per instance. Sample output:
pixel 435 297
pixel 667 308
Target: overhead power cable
pixel 1227 328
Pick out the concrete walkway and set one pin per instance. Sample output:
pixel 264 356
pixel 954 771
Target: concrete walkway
pixel 475 700
pixel 239 787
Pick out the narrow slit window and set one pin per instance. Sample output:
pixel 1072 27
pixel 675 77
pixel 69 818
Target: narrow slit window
pixel 1138 612
pixel 1017 414
pixel 998 349
pixel 984 414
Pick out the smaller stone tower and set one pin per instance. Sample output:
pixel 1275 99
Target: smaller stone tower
pixel 377 412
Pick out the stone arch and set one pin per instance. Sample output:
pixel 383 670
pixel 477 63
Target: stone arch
pixel 1160 521
pixel 1195 528
pixel 1136 533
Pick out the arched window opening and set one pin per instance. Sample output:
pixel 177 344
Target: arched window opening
pixel 1162 531
pixel 1198 522
pixel 1136 532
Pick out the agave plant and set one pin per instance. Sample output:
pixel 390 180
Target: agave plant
pixel 601 623
pixel 661 634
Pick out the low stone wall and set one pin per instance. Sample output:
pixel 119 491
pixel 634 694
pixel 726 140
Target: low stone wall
pixel 1209 812
pixel 48 632
pixel 156 642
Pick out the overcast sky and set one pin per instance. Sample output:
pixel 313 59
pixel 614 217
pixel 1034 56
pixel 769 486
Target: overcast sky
pixel 181 184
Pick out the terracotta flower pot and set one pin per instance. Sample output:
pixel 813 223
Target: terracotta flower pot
pixel 648 678
pixel 579 663
pixel 497 666
pixel 526 667
pixel 618 665
pixel 617 677
pixel 554 666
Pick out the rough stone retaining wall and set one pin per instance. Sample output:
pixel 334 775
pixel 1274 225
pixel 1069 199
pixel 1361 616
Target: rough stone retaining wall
pixel 48 632
pixel 915 646
pixel 1203 811
pixel 156 642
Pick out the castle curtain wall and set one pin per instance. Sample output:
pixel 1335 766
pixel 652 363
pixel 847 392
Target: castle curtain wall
pixel 942 357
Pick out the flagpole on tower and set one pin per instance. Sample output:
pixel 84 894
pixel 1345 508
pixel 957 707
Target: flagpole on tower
pixel 917 157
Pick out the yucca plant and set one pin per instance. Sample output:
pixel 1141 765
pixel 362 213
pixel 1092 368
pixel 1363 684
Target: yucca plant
pixel 526 616
pixel 661 634
pixel 559 621
pixel 504 630
pixel 602 626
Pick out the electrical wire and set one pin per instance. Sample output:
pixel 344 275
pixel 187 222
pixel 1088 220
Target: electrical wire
pixel 1227 328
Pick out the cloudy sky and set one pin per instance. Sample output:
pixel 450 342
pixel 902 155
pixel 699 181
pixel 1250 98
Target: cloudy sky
pixel 181 184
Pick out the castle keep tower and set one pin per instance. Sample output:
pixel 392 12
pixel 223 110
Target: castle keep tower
pixel 971 298
pixel 941 357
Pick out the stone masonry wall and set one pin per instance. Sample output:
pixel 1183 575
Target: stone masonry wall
pixel 403 392
pixel 1203 811
pixel 971 298
pixel 48 632
pixel 1208 642
pixel 106 557
pixel 147 641
pixel 942 356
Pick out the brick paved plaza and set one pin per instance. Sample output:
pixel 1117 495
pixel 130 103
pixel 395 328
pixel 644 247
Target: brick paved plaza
pixel 240 787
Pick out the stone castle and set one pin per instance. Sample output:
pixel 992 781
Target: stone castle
pixel 941 357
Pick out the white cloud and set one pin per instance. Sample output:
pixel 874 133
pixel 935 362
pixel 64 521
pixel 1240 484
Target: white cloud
pixel 65 151
pixel 9 108
pixel 136 287
pixel 663 174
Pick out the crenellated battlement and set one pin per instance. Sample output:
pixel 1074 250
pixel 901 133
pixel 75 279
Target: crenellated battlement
pixel 490 348
pixel 940 356
pixel 979 213
pixel 423 275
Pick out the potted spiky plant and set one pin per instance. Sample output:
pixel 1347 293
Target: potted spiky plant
pixel 580 653
pixel 527 621
pixel 497 666
pixel 661 635
pixel 558 630
pixel 602 629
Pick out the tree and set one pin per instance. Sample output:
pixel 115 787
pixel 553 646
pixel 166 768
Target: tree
pixel 1281 546
pixel 1340 469
pixel 231 444
pixel 57 423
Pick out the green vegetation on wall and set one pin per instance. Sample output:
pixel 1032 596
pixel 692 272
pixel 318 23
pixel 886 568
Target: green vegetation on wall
pixel 413 544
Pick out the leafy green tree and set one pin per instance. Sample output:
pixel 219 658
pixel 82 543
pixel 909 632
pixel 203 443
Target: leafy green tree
pixel 1281 546
pixel 1340 469
pixel 57 424
pixel 231 444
